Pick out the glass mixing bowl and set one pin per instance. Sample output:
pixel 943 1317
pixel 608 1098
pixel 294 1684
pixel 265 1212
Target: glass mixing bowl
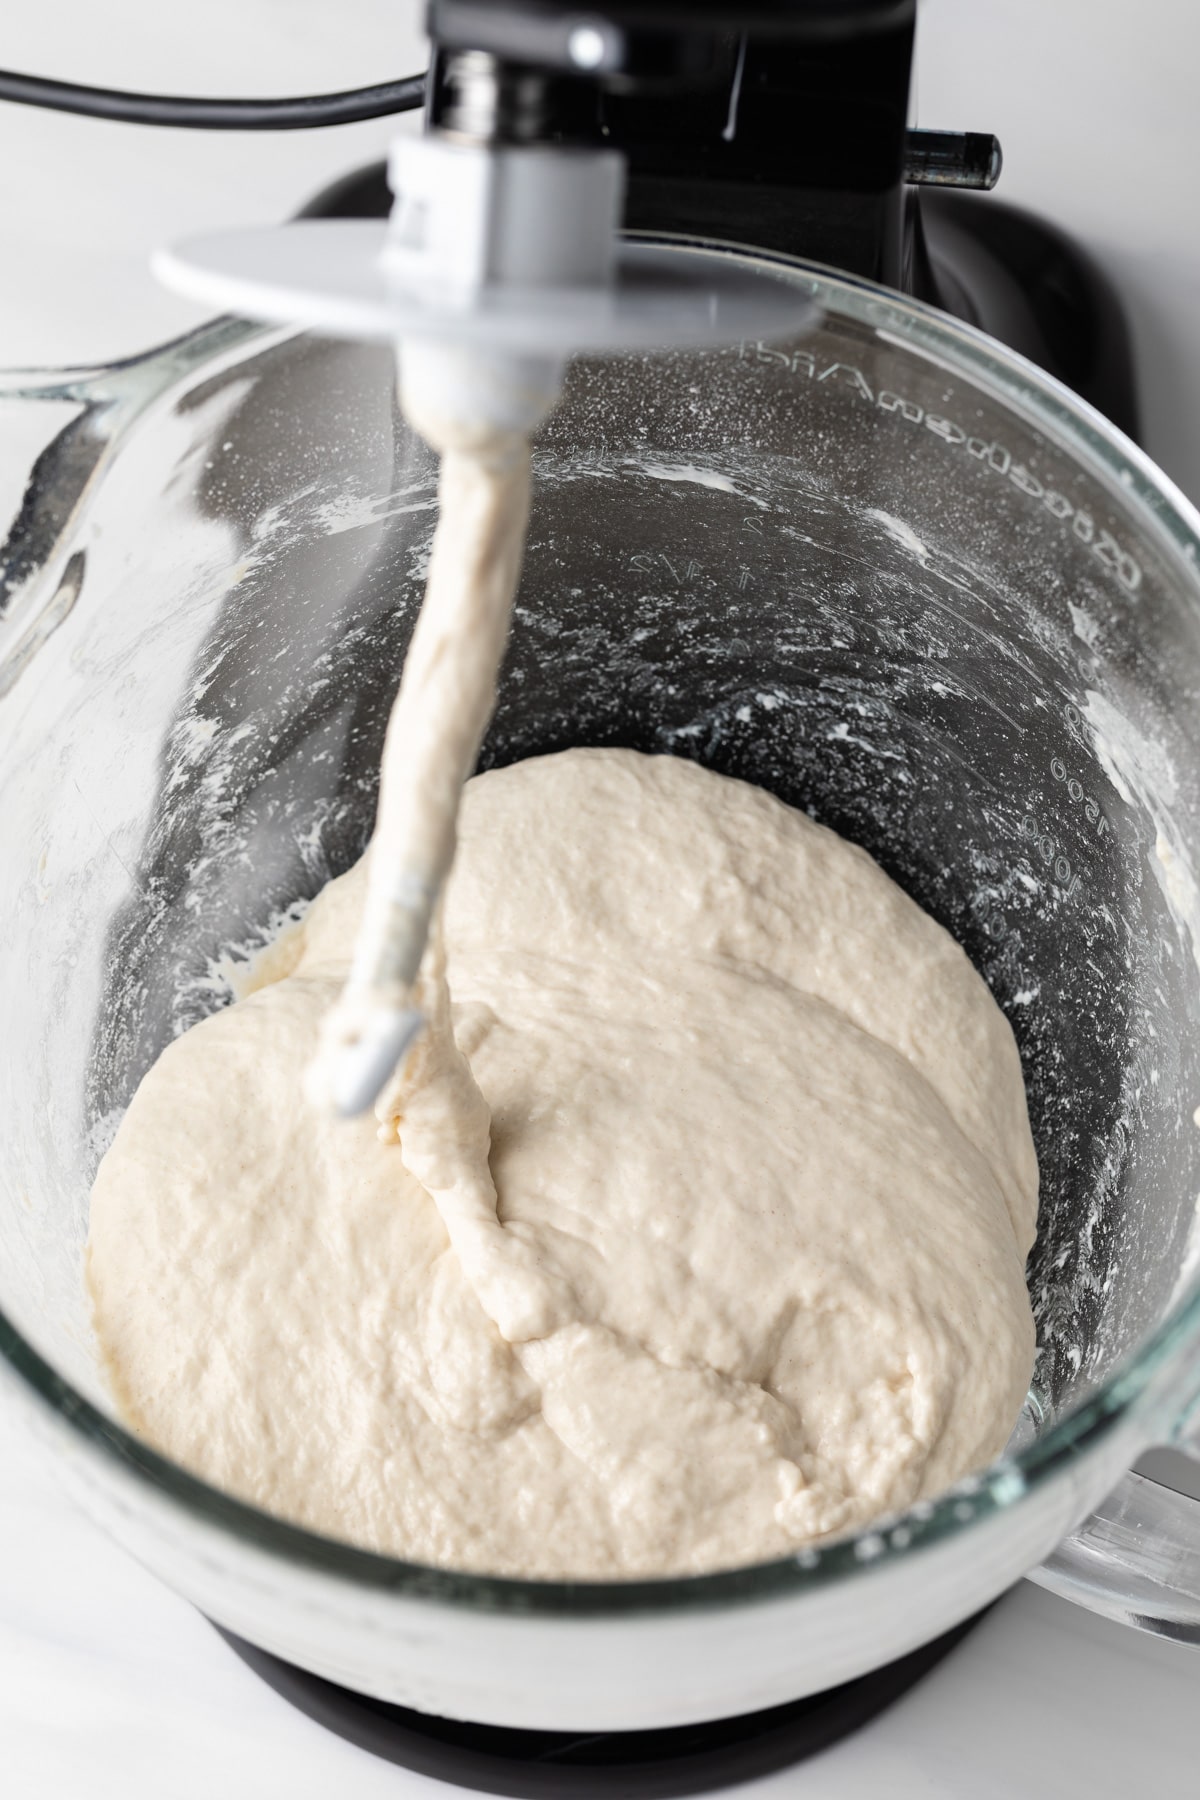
pixel 890 572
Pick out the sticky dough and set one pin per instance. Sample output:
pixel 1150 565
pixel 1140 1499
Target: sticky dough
pixel 765 1191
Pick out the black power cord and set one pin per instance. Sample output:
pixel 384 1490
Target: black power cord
pixel 404 95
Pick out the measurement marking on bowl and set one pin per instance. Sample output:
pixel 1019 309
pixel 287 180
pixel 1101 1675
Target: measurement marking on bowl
pixel 1078 795
pixel 648 562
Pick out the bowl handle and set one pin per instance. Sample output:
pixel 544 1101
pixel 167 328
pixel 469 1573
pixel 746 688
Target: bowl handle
pixel 1136 1558
pixel 68 467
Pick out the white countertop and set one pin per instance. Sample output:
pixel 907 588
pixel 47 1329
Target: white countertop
pixel 110 1685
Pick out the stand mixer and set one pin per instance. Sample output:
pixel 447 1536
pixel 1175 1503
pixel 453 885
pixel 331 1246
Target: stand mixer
pixel 831 542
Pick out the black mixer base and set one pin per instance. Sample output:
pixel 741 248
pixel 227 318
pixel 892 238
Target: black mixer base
pixel 635 1765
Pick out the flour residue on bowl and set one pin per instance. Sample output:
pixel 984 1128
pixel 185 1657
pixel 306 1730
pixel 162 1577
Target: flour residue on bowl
pixel 1141 772
pixel 709 478
pixel 899 532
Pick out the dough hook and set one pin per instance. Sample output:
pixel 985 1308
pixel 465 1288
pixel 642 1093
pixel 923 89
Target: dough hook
pixel 499 260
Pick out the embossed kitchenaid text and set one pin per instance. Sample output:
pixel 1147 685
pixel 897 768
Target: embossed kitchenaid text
pixel 990 452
